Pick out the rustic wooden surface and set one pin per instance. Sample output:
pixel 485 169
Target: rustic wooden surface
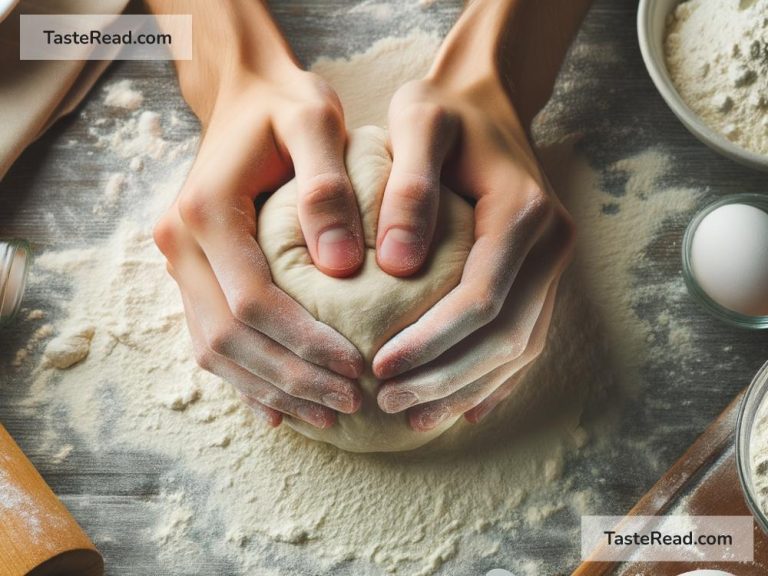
pixel 47 198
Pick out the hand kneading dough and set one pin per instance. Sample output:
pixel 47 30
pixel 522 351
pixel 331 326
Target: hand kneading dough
pixel 372 306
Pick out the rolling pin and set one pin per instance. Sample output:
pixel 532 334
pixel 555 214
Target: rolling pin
pixel 38 536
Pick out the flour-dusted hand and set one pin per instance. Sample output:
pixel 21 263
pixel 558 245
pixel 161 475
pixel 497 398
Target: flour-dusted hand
pixel 465 125
pixel 264 120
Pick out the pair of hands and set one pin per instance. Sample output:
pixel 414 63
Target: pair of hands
pixel 465 355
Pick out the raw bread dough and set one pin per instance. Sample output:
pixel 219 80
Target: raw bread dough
pixel 372 306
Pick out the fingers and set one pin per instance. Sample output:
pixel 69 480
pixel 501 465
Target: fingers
pixel 220 214
pixel 479 398
pixel 421 136
pixel 520 329
pixel 328 210
pixel 429 416
pixel 506 227
pixel 224 335
pixel 267 401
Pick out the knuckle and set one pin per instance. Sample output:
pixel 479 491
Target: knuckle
pixel 516 348
pixel 417 194
pixel 325 192
pixel 486 307
pixel 164 235
pixel 429 117
pixel 566 226
pixel 539 204
pixel 194 207
pixel 205 358
pixel 219 340
pixel 247 308
pixel 321 112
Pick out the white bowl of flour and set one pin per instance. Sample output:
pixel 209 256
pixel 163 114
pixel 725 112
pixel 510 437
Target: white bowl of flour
pixel 709 61
pixel 752 447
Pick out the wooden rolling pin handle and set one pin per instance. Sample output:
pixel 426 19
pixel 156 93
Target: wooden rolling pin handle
pixel 38 536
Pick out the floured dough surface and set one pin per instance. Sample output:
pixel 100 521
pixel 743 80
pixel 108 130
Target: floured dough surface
pixel 372 306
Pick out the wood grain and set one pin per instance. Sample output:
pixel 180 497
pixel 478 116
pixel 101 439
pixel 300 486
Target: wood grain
pixel 38 536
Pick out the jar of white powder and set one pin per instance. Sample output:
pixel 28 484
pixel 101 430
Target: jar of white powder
pixel 15 259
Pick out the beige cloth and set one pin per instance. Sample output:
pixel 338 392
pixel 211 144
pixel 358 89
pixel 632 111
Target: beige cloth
pixel 36 93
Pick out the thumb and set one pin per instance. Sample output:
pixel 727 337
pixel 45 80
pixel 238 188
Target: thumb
pixel 421 137
pixel 328 211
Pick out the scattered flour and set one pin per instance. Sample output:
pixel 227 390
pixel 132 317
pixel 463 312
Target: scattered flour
pixel 114 186
pixel 113 189
pixel 122 95
pixel 62 454
pixel 273 497
pixel 137 138
pixel 70 347
pixel 717 56
pixel 42 333
pixel 35 315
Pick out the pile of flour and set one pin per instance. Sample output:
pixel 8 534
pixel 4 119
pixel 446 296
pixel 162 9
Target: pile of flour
pixel 263 498
pixel 717 56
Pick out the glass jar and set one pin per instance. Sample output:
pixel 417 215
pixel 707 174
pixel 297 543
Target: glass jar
pixel 729 316
pixel 745 424
pixel 15 261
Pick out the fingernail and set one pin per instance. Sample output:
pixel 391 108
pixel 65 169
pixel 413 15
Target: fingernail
pixel 430 420
pixel 344 368
pixel 313 415
pixel 401 247
pixel 337 249
pixel 399 401
pixel 338 401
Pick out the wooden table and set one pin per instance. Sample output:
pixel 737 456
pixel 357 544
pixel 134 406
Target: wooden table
pixel 45 198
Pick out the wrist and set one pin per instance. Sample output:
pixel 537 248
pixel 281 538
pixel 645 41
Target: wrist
pixel 205 86
pixel 517 45
pixel 234 45
pixel 472 60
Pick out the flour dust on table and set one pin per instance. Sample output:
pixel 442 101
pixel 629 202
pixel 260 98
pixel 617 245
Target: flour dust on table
pixel 259 498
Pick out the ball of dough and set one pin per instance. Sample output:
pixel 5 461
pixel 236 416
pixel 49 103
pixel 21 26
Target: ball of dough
pixel 372 306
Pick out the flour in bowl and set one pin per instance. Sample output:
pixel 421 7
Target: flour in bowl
pixel 717 57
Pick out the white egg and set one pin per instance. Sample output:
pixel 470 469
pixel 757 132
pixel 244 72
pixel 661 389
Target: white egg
pixel 729 258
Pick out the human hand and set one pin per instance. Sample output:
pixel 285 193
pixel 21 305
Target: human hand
pixel 465 354
pixel 263 121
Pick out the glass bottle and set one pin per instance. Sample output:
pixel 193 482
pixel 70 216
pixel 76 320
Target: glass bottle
pixel 15 261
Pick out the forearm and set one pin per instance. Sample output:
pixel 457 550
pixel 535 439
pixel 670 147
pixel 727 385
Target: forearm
pixel 233 41
pixel 521 43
